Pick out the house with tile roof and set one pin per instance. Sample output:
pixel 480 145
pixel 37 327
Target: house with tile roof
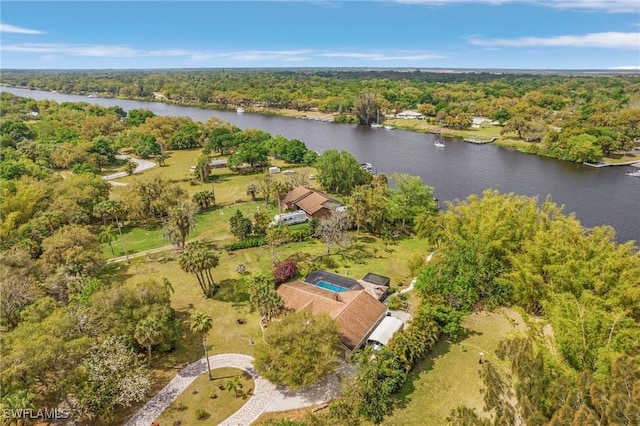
pixel 315 204
pixel 356 311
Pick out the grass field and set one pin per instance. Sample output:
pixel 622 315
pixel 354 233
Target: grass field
pixel 231 303
pixel 210 396
pixel 229 187
pixel 447 378
pixel 450 375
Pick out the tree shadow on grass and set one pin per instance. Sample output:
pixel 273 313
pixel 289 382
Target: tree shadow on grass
pixel 232 290
pixel 356 253
pixel 365 239
pixel 115 272
pixel 144 226
pixel 189 347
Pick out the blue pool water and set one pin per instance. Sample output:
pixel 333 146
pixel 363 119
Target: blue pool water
pixel 330 287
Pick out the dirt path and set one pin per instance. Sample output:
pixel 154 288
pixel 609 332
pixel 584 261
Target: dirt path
pixel 140 254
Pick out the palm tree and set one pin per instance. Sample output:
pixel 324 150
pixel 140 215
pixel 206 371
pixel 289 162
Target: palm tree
pixel 181 221
pixel 107 235
pixel 204 199
pixel 147 333
pixel 160 158
pixel 234 386
pixel 201 323
pixel 198 259
pixel 115 209
pixel 252 190
pixel 280 189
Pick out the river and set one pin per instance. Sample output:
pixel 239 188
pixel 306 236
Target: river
pixel 597 196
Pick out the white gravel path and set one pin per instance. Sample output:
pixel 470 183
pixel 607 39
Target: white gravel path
pixel 141 166
pixel 263 394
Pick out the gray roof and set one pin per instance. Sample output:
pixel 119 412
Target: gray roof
pixel 214 163
pixel 377 279
pixel 385 330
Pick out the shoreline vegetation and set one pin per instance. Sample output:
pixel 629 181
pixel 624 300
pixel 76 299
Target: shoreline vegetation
pixel 577 118
pixel 413 125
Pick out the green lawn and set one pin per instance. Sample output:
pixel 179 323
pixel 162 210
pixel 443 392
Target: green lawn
pixel 212 225
pixel 229 187
pixel 450 375
pixel 230 303
pixel 206 395
pixel 447 378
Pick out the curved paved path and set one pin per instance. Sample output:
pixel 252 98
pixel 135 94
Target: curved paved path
pixel 141 166
pixel 264 392
pixel 413 281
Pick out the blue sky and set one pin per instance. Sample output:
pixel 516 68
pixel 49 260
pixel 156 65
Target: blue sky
pixel 507 34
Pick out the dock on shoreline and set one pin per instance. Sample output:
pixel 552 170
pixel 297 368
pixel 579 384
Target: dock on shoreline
pixel 479 141
pixel 633 163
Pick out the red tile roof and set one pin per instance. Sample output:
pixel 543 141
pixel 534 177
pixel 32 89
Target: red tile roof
pixel 356 312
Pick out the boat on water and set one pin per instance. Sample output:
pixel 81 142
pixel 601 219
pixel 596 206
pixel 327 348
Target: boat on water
pixel 367 166
pixel 635 173
pixel 439 143
pixel 389 127
pixel 377 124
pixel 240 109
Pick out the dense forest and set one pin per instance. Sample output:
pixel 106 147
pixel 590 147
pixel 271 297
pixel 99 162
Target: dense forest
pixel 575 118
pixel 72 332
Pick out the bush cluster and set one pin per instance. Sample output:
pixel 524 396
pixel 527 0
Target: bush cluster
pixel 248 243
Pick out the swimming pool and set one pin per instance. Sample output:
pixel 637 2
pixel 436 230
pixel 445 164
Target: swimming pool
pixel 330 287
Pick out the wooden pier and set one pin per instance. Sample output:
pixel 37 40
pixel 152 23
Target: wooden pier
pixel 479 141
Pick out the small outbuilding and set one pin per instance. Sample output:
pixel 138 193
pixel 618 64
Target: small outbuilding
pixel 383 333
pixel 274 170
pixel 215 164
pixel 410 115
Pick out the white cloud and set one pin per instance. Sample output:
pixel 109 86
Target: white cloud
pixel 264 55
pixel 200 57
pixel 610 6
pixel 609 40
pixel 6 28
pixel 71 49
pixel 299 55
pixel 172 52
pixel 128 52
pixel 627 67
pixel 402 55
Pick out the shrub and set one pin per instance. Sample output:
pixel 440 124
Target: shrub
pixel 300 236
pixel 284 271
pixel 248 243
pixel 202 414
pixel 394 303
pixel 313 226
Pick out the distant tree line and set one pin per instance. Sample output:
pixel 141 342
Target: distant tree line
pixel 571 117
